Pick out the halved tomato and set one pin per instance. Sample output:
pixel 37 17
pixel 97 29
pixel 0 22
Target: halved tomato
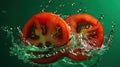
pixel 43 30
pixel 88 32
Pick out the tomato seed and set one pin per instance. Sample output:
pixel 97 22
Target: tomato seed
pixel 32 34
pixel 44 29
pixel 58 32
pixel 82 25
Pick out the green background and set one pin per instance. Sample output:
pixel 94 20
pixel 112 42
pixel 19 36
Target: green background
pixel 17 12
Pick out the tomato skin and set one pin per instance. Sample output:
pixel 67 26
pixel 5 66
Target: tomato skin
pixel 50 28
pixel 48 60
pixel 76 19
pixel 78 57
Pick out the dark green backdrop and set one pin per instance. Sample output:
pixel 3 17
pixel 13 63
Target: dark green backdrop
pixel 17 12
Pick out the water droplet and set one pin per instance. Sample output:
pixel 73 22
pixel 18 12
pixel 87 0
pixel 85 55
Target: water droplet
pixel 20 50
pixel 79 10
pixel 43 10
pixel 3 11
pixel 11 28
pixel 61 5
pixel 113 24
pixel 49 1
pixel 73 4
pixel 49 55
pixel 54 53
pixel 62 50
pixel 46 55
pixel 84 10
pixel 55 11
pixel 102 16
pixel 46 6
pixel 40 5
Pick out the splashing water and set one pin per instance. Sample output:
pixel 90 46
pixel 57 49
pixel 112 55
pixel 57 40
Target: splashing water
pixel 19 49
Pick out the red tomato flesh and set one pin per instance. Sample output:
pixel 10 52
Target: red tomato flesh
pixel 88 26
pixel 45 29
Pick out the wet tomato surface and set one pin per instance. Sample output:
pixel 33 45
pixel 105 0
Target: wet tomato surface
pixel 88 33
pixel 50 32
pixel 44 30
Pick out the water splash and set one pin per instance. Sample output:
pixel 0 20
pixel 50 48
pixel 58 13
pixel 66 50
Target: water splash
pixel 21 51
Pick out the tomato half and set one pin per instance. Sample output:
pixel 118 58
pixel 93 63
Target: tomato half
pixel 46 29
pixel 91 31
